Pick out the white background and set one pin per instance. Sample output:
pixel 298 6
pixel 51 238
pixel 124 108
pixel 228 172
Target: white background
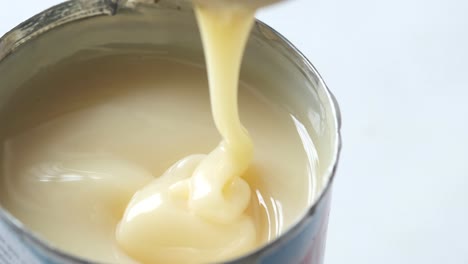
pixel 400 72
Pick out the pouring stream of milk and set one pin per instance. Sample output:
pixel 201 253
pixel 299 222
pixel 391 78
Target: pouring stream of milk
pixel 196 211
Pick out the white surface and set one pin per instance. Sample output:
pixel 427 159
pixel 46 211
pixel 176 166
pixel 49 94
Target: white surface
pixel 400 72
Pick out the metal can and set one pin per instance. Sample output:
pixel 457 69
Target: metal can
pixel 173 25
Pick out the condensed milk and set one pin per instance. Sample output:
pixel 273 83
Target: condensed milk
pixel 80 160
pixel 96 160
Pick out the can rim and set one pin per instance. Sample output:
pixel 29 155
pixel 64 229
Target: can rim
pixel 110 8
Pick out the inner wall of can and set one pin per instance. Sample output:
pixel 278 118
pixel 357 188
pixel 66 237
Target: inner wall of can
pixel 167 30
